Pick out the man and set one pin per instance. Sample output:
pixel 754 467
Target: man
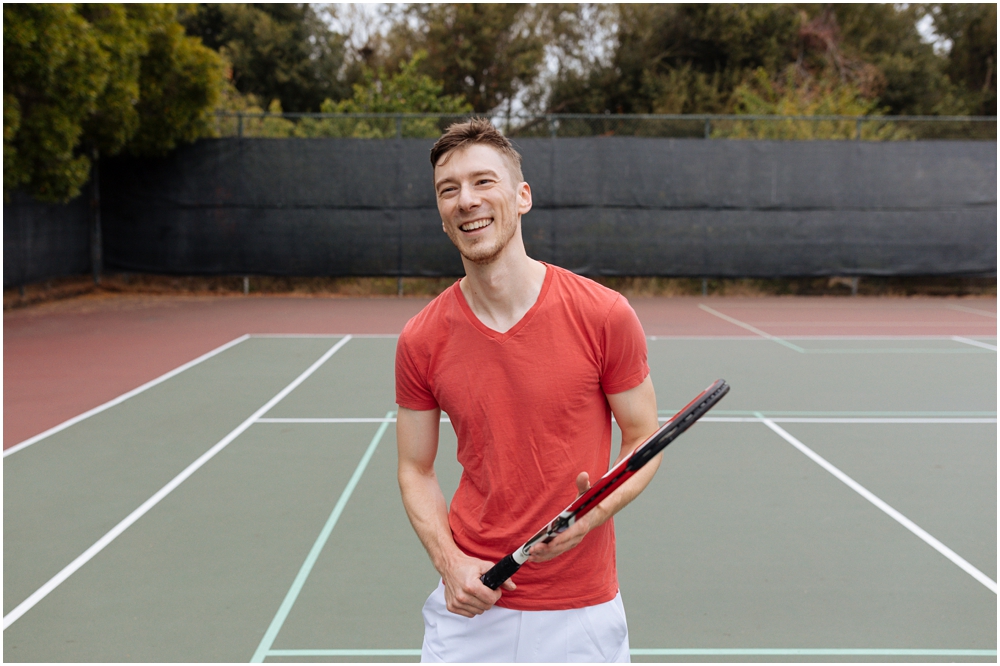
pixel 529 361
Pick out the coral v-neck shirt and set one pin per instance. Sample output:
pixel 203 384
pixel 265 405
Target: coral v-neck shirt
pixel 530 412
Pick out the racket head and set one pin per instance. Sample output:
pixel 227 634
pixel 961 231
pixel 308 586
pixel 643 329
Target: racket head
pixel 655 443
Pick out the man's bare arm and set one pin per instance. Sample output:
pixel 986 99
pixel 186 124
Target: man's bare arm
pixel 417 442
pixel 635 412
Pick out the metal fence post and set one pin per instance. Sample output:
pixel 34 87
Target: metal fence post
pixel 708 128
pixel 96 243
pixel 239 125
pixel 857 135
pixel 552 127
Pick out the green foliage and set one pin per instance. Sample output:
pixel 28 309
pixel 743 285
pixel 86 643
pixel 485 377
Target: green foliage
pixel 54 73
pixel 484 53
pixel 798 95
pixel 972 60
pixel 680 58
pixel 80 79
pixel 405 91
pixel 283 51
pixel 913 77
pixel 179 83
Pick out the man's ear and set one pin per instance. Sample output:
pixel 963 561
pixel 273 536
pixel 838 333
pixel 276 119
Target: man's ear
pixel 523 198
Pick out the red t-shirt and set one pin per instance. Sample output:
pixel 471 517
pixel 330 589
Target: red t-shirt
pixel 530 412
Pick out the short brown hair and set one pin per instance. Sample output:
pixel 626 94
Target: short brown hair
pixel 481 131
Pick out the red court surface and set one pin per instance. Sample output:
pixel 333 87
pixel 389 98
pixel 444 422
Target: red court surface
pixel 61 359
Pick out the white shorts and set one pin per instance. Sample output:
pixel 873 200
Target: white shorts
pixel 595 633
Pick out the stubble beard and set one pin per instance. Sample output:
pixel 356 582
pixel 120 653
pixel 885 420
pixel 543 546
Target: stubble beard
pixel 482 254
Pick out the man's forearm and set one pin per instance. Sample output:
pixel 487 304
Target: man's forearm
pixel 428 513
pixel 624 494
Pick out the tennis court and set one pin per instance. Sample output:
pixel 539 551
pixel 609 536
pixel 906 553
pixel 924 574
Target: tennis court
pixel 838 505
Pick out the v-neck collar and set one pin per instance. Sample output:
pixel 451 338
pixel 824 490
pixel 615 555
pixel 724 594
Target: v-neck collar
pixel 521 323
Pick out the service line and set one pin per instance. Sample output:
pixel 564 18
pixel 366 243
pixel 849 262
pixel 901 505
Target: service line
pixel 101 543
pixel 123 397
pixel 974 343
pixel 691 652
pixel 962 308
pixel 705 419
pixel 752 329
pixel 891 512
pixel 264 649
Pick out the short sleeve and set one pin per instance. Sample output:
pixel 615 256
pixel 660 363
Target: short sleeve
pixel 412 390
pixel 624 349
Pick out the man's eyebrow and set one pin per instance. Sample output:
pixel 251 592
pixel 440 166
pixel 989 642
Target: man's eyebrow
pixel 474 174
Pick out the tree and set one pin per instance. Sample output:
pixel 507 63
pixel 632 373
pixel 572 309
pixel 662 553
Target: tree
pixel 378 92
pixel 691 58
pixel 972 58
pixel 80 79
pixel 405 91
pixel 886 36
pixel 680 58
pixel 276 51
pixel 54 72
pixel 484 53
pixel 800 94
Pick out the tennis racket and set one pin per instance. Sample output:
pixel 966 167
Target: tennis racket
pixel 615 477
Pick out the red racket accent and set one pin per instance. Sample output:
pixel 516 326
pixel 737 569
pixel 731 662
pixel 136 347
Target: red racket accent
pixel 611 480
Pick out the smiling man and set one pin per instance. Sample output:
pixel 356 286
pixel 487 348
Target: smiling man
pixel 529 361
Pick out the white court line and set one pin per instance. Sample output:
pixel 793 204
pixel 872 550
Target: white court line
pixel 703 337
pixel 349 419
pixel 843 419
pixel 123 397
pixel 706 419
pixel 891 512
pixel 328 420
pixel 677 652
pixel 88 554
pixel 874 338
pixel 750 328
pixel 880 419
pixel 324 335
pixel 285 608
pixel 974 343
pixel 886 338
pixel 985 313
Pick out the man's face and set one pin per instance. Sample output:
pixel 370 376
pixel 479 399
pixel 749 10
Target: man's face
pixel 479 202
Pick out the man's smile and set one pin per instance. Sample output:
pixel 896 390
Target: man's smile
pixel 476 224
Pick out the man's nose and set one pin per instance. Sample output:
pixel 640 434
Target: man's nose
pixel 468 199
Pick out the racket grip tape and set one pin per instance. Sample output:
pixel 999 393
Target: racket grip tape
pixel 500 572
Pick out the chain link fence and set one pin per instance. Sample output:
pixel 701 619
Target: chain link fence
pixel 708 126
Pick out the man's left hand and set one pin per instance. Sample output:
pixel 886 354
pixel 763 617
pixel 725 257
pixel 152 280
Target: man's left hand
pixel 543 552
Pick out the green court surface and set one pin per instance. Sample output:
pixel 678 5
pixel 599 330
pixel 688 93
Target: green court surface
pixel 838 505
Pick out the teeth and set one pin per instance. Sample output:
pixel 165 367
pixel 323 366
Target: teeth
pixel 478 224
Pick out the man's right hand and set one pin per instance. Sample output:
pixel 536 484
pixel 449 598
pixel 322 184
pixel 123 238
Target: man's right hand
pixel 464 593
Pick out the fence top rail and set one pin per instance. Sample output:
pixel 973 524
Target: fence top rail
pixel 608 116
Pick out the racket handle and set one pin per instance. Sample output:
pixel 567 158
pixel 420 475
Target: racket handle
pixel 500 572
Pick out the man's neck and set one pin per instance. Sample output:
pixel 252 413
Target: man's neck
pixel 501 293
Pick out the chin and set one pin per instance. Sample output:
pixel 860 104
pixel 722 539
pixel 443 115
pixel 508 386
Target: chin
pixel 483 256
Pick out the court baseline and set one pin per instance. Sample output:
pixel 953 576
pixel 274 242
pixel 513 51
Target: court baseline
pixel 123 397
pixel 639 652
pixel 888 510
pixel 101 543
pixel 264 649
